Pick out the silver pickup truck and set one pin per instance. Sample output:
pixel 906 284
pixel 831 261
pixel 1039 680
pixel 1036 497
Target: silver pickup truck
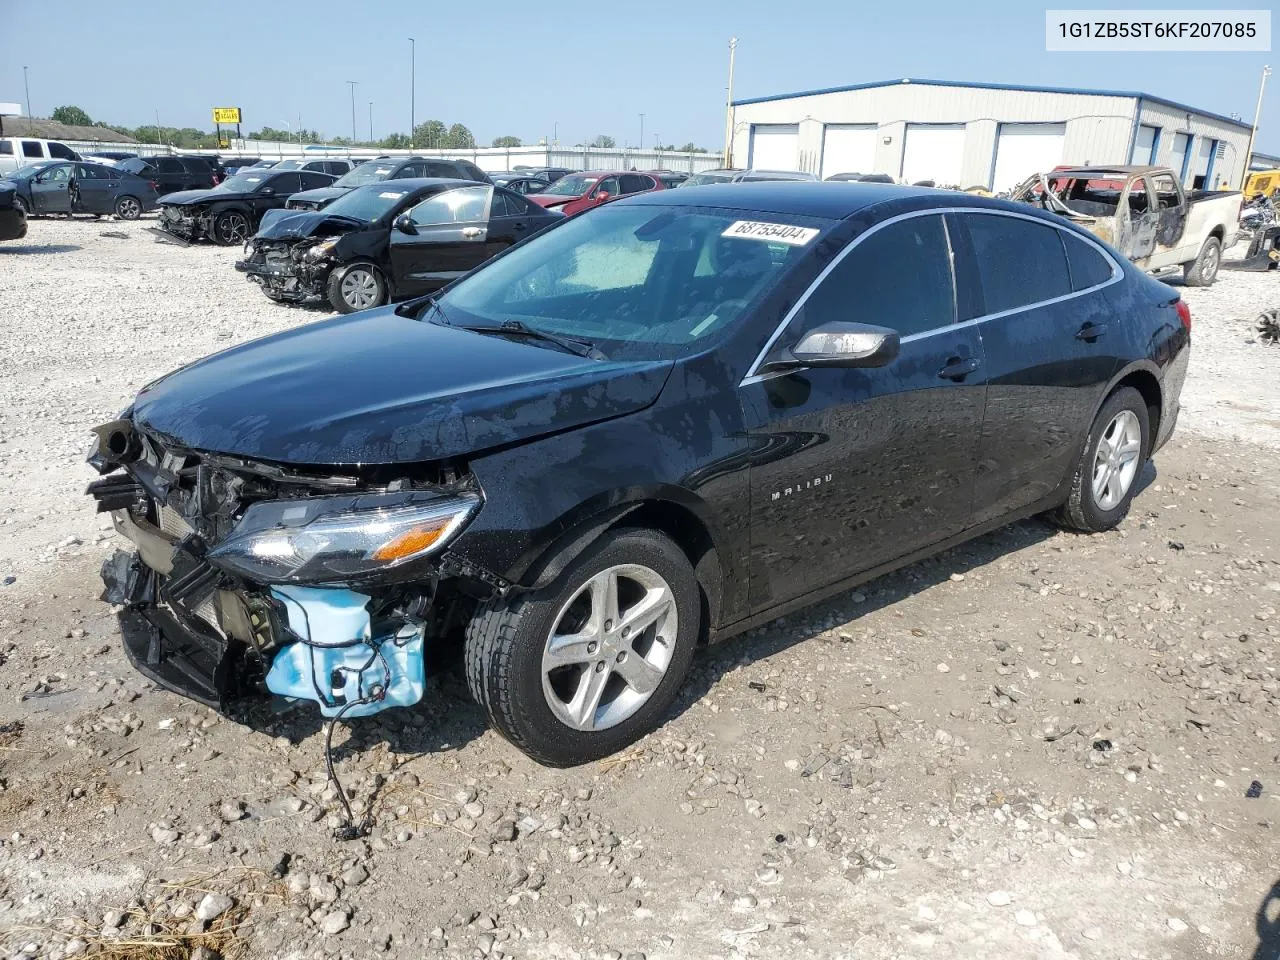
pixel 1145 214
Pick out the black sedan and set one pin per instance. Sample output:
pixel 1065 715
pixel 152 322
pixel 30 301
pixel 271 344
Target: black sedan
pixel 387 241
pixel 231 211
pixel 374 171
pixel 81 187
pixel 659 423
pixel 13 218
pixel 519 182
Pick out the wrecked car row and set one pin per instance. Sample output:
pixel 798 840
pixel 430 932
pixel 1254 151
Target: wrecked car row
pixel 229 213
pixel 387 241
pixel 660 423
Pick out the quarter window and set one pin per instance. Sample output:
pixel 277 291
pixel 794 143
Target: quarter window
pixel 898 277
pixel 1020 262
pixel 1088 267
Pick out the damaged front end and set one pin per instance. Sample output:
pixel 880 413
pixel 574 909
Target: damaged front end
pixel 188 223
pixel 288 269
pixel 250 578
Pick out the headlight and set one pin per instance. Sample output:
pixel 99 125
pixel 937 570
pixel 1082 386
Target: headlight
pixel 322 249
pixel 327 539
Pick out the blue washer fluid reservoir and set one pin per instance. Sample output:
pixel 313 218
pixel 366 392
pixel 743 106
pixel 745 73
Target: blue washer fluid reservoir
pixel 339 661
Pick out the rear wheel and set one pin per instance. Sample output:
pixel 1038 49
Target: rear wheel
pixel 230 228
pixel 128 208
pixel 1106 475
pixel 357 287
pixel 1204 269
pixel 581 669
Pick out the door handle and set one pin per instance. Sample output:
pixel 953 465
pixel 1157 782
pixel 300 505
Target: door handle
pixel 1091 332
pixel 958 368
pixel 521 226
pixel 471 232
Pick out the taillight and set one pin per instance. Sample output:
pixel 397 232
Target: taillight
pixel 1184 314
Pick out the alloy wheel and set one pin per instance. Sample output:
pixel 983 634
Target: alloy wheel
pixel 1212 258
pixel 360 289
pixel 235 229
pixel 610 647
pixel 128 208
pixel 1115 463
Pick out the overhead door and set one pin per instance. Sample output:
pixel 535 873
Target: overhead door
pixel 848 148
pixel 1023 149
pixel 775 146
pixel 1201 163
pixel 933 151
pixel 1180 160
pixel 1144 145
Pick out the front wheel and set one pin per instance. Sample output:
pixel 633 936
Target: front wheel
pixel 20 205
pixel 1106 476
pixel 357 287
pixel 230 229
pixel 588 665
pixel 1202 271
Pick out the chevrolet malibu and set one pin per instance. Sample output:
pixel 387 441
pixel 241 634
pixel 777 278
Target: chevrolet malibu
pixel 648 427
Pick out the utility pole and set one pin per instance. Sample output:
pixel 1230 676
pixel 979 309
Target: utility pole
pixel 728 109
pixel 413 90
pixel 354 135
pixel 26 85
pixel 371 122
pixel 640 144
pixel 1253 131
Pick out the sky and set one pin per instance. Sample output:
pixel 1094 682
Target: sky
pixel 578 70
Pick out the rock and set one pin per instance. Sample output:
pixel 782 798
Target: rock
pixel 232 810
pixel 114 918
pixel 1091 933
pixel 323 891
pixel 165 836
pixel 335 922
pixel 354 876
pixel 504 831
pixel 212 906
pixel 926 913
pixel 74 948
pixel 943 668
pixel 473 809
pixel 1176 925
pixel 999 898
pixel 1025 918
pixel 205 953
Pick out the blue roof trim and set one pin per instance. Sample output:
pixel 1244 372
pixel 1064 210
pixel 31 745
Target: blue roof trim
pixel 1021 87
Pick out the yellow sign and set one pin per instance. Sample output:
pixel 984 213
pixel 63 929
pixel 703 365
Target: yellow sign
pixel 226 114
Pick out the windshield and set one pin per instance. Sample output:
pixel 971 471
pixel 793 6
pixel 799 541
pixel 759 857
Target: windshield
pixel 638 281
pixel 30 170
pixel 241 183
pixel 699 179
pixel 365 173
pixel 366 205
pixel 289 165
pixel 570 187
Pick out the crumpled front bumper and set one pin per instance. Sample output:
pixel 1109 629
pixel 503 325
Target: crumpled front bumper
pixel 289 279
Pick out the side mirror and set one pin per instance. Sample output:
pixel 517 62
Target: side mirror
pixel 268 191
pixel 839 344
pixel 404 223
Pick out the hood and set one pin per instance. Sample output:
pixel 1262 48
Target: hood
pixel 550 202
pixel 295 224
pixel 183 198
pixel 377 388
pixel 323 196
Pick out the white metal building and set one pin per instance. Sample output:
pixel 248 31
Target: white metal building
pixel 982 134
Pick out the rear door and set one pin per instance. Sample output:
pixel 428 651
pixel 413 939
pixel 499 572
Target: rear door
pixel 1047 333
pixel 50 189
pixel 95 189
pixel 274 192
pixel 451 237
pixel 509 220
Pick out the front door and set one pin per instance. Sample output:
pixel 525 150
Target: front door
pixel 51 189
pixel 1137 220
pixel 451 236
pixel 858 467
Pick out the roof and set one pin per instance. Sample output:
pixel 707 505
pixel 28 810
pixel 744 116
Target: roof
pixel 1026 88
pixel 1123 169
pixel 410 184
pixel 808 198
pixel 52 130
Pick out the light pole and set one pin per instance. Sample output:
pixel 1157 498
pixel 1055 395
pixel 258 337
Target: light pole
pixel 413 113
pixel 371 122
pixel 640 144
pixel 354 135
pixel 27 87
pixel 1253 131
pixel 728 109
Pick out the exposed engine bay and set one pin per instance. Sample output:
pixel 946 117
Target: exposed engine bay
pixel 293 253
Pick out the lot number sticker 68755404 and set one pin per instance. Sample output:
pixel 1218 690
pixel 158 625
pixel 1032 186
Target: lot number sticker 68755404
pixel 776 232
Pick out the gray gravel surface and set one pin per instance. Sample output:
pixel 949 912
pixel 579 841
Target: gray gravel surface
pixel 1035 745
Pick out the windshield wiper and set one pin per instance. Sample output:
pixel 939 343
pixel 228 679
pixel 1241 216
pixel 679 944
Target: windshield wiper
pixel 581 348
pixel 417 308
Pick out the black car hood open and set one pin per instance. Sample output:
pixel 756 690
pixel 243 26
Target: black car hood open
pixel 185 198
pixel 323 196
pixel 295 224
pixel 378 388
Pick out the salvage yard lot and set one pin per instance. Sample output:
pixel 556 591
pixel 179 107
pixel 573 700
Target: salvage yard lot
pixel 1038 744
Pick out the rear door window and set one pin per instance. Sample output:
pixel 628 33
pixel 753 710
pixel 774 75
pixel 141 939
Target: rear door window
pixel 61 151
pixel 440 168
pixel 1020 262
pixel 169 165
pixel 312 181
pixel 898 277
pixel 6 148
pixel 284 183
pixel 1088 267
pixel 91 171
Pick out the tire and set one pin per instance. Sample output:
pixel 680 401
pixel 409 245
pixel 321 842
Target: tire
pixel 531 700
pixel 18 202
pixel 128 208
pixel 1088 509
pixel 1204 269
pixel 359 286
pixel 230 228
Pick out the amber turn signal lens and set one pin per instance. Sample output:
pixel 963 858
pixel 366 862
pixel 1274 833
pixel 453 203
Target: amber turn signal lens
pixel 410 542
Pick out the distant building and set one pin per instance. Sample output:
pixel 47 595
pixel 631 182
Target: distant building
pixel 982 134
pixel 53 130
pixel 1264 161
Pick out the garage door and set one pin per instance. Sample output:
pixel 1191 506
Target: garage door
pixel 933 151
pixel 1180 159
pixel 848 148
pixel 1144 145
pixel 1201 163
pixel 775 146
pixel 1026 148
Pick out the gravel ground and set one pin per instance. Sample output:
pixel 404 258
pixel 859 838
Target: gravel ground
pixel 1035 745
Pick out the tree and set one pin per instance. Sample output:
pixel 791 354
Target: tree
pixel 689 148
pixel 430 134
pixel 604 141
pixel 396 141
pixel 459 138
pixel 507 142
pixel 72 116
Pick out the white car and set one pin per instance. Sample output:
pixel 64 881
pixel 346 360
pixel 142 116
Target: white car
pixel 18 152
